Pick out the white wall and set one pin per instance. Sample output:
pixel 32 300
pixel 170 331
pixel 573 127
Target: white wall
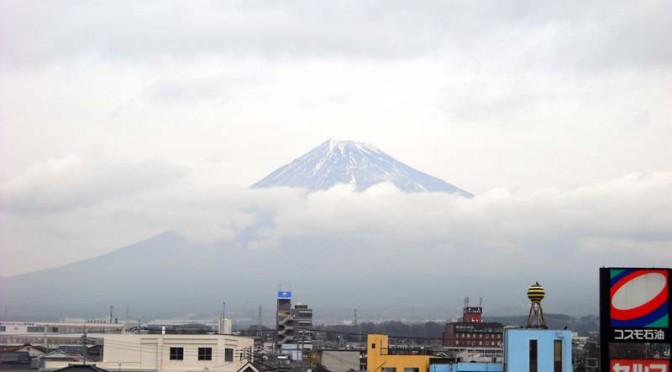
pixel 152 352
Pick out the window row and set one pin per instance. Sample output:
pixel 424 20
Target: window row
pixel 204 353
pixel 32 329
pixel 478 343
pixel 478 335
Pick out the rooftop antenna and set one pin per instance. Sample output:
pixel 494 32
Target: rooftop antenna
pixel 259 323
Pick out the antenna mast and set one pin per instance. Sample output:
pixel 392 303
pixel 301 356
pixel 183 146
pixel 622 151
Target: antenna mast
pixel 259 323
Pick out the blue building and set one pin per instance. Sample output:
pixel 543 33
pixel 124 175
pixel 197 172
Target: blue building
pixel 537 350
pixel 466 367
pixel 525 350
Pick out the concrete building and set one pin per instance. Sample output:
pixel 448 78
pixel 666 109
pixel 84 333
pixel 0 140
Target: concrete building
pixel 382 358
pixel 293 325
pixel 176 353
pixel 472 332
pixel 54 333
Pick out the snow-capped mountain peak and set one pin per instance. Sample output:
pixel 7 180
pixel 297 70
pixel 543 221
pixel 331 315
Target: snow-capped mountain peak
pixel 357 163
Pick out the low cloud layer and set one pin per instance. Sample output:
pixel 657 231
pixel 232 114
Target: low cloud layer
pixel 560 236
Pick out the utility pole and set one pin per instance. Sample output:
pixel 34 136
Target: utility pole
pixel 259 325
pixel 222 320
pixel 111 313
pixel 359 333
pixel 86 351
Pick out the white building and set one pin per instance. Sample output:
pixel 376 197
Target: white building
pixel 175 352
pixel 53 333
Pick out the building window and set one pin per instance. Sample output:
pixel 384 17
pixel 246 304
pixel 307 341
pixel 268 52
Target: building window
pixel 388 369
pixel 2 329
pixel 533 356
pixel 176 353
pixel 228 355
pixel 373 346
pixel 35 329
pixel 557 356
pixel 204 353
pixel 411 369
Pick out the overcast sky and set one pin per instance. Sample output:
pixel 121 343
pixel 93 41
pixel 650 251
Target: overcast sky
pixel 122 119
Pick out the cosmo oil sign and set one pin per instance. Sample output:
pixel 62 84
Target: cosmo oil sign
pixel 635 319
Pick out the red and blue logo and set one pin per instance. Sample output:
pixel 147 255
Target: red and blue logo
pixel 639 298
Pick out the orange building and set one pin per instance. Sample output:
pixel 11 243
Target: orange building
pixel 381 358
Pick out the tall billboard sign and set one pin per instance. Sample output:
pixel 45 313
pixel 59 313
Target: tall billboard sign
pixel 635 314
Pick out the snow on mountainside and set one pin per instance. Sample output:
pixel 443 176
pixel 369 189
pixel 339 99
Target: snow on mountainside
pixel 356 163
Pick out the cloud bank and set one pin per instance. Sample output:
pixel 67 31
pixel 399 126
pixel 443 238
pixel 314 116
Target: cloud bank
pixel 560 236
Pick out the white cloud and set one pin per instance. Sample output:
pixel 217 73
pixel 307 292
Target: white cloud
pixel 74 182
pixel 581 225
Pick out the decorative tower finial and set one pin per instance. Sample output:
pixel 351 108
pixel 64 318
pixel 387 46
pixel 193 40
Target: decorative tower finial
pixel 536 318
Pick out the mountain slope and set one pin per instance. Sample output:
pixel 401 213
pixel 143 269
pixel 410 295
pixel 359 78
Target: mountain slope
pixel 170 275
pixel 355 163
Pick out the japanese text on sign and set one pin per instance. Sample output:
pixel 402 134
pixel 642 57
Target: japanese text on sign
pixel 624 365
pixel 639 334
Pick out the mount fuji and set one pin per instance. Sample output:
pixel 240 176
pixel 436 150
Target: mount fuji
pixel 359 164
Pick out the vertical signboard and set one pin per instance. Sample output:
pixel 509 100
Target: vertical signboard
pixel 635 319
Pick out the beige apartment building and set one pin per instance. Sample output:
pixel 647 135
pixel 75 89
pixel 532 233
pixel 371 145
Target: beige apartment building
pixel 176 353
pixel 172 353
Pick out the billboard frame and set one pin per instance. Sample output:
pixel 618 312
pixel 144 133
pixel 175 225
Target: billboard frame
pixel 610 334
